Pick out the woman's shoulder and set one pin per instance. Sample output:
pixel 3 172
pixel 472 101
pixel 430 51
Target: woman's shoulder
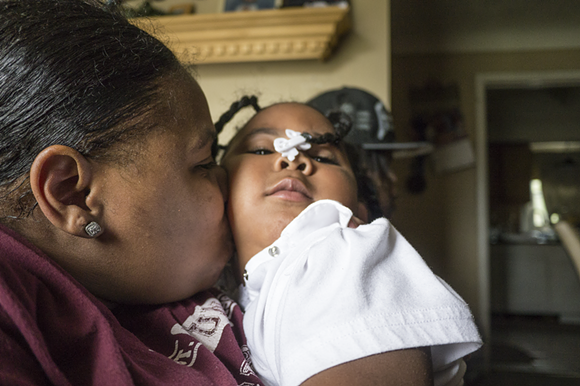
pixel 203 331
pixel 32 277
pixel 43 311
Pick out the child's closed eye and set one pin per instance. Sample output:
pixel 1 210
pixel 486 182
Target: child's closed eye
pixel 260 151
pixel 325 160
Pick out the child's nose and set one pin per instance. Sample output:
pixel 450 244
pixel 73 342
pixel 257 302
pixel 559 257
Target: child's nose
pixel 301 162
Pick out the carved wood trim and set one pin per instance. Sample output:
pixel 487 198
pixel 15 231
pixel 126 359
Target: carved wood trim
pixel 252 36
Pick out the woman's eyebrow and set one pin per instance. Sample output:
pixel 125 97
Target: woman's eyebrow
pixel 207 135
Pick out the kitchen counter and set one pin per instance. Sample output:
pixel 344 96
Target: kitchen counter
pixel 534 279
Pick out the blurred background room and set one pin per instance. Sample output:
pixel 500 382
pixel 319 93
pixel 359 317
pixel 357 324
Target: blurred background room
pixel 516 65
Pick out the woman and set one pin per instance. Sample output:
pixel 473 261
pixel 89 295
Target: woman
pixel 110 196
pixel 112 220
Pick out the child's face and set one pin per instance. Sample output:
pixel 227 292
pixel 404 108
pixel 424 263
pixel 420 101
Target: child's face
pixel 267 190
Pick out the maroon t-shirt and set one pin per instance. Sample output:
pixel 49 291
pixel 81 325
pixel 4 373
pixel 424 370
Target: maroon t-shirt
pixel 54 332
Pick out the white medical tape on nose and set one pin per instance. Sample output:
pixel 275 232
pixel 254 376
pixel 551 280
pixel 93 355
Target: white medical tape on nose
pixel 289 147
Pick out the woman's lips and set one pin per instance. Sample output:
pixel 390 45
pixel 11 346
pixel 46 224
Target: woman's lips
pixel 290 189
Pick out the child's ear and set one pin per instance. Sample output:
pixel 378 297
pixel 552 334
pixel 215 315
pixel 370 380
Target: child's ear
pixel 60 178
pixel 362 212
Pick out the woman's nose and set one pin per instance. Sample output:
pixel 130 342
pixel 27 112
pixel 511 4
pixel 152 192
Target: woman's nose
pixel 301 162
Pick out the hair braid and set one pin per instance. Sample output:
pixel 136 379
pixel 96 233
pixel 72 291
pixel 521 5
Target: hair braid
pixel 342 125
pixel 228 115
pixel 340 121
pixel 234 108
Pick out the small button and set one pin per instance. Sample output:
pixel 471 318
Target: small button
pixel 274 251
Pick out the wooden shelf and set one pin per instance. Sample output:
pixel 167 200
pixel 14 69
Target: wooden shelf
pixel 252 36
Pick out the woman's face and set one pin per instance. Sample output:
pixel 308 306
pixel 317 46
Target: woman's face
pixel 164 219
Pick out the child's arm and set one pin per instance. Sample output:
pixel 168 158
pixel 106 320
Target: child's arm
pixel 401 367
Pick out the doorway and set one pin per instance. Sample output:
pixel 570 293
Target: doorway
pixel 492 85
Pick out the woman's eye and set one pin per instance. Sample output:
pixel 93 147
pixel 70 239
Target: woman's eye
pixel 208 165
pixel 261 151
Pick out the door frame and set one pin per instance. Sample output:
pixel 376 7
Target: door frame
pixel 483 82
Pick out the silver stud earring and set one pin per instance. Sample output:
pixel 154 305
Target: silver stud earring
pixel 92 229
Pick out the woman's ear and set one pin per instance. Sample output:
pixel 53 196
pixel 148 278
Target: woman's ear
pixel 60 179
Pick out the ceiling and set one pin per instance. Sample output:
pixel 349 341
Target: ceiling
pixel 484 25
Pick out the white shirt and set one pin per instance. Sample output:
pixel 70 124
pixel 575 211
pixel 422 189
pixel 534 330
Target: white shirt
pixel 325 294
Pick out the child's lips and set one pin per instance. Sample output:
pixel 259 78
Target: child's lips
pixel 289 195
pixel 290 189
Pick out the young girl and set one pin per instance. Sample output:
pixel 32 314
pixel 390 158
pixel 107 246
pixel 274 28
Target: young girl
pixel 319 294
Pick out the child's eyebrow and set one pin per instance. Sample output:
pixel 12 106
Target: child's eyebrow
pixel 276 133
pixel 262 130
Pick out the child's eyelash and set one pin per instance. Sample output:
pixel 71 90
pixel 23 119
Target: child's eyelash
pixel 260 151
pixel 325 160
pixel 264 151
pixel 267 151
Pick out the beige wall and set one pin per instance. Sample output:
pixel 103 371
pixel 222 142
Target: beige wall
pixel 441 222
pixel 362 60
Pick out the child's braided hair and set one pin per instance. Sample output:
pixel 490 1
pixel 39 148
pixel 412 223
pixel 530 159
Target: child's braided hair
pixel 234 108
pixel 340 121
